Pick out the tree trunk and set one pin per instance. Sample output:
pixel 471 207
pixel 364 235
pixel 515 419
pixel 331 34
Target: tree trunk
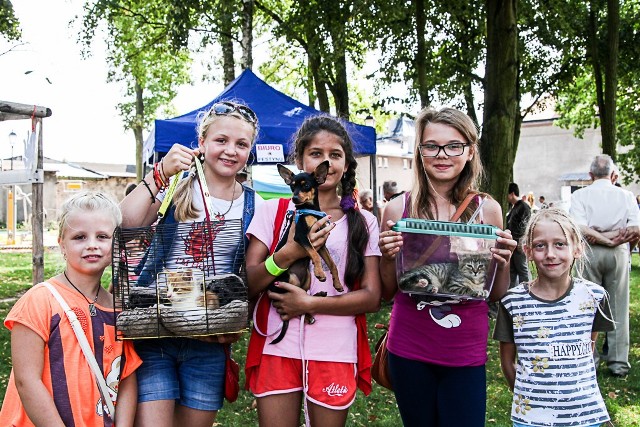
pixel 137 131
pixel 594 54
pixel 608 126
pixel 226 43
pixel 500 101
pixel 341 89
pixel 470 102
pixel 320 83
pixel 247 34
pixel 421 55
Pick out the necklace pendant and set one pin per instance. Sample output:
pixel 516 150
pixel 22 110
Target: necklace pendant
pixel 92 310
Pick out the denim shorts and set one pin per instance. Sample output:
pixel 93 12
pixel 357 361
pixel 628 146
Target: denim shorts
pixel 186 370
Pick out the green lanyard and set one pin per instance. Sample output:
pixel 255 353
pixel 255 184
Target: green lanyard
pixel 169 194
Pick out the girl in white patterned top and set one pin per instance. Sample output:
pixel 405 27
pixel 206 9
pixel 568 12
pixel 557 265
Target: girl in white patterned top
pixel 551 324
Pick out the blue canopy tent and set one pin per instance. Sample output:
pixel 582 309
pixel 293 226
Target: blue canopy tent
pixel 279 117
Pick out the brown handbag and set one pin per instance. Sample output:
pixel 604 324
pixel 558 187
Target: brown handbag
pixel 380 367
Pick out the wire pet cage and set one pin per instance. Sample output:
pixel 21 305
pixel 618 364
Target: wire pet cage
pixel 180 279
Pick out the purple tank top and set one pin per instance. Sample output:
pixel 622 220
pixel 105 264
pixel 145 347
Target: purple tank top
pixel 442 333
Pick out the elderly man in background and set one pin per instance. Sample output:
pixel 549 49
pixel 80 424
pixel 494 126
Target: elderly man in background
pixel 609 218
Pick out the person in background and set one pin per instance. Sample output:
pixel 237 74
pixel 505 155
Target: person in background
pixel 531 201
pixel 543 203
pixel 547 327
pixel 366 199
pixel 517 219
pixel 130 188
pixel 51 383
pixel 609 219
pixel 242 176
pixel 438 349
pixel 390 190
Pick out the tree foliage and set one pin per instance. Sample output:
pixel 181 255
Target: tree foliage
pixel 582 102
pixel 9 25
pixel 141 57
pixel 333 34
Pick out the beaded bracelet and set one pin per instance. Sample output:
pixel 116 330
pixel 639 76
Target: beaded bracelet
pixel 146 184
pixel 272 267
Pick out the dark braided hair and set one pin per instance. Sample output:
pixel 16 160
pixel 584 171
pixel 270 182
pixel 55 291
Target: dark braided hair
pixel 358 231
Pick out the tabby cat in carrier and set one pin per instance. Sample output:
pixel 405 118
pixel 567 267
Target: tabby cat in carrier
pixel 467 277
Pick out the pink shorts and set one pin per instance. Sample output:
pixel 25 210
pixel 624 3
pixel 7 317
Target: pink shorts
pixel 330 384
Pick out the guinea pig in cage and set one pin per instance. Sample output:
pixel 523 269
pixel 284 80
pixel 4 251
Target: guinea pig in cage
pixel 180 279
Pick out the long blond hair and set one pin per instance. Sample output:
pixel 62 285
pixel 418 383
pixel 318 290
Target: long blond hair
pixel 422 197
pixel 183 198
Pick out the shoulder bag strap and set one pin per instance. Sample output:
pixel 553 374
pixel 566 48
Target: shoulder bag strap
pixel 283 204
pixel 436 243
pixel 86 349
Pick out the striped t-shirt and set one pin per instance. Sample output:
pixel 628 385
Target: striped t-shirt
pixel 555 374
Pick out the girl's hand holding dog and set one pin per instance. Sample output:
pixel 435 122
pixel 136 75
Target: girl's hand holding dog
pixel 505 245
pixel 318 235
pixel 319 232
pixel 293 303
pixel 390 242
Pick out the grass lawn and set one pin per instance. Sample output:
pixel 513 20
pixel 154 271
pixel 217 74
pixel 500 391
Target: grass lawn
pixel 622 396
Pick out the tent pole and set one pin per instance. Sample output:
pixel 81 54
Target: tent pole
pixel 372 172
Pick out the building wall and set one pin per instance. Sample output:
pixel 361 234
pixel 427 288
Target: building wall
pixel 56 191
pixel 546 152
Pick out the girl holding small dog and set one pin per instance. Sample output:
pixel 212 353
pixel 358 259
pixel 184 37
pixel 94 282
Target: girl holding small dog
pixel 181 382
pixel 321 364
pixel 51 382
pixel 438 350
pixel 551 324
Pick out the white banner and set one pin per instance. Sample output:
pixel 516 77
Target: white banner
pixel 269 153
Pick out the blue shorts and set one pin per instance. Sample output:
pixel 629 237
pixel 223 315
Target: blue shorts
pixel 182 369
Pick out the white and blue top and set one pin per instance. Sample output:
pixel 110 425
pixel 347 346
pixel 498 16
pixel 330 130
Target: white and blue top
pixel 555 375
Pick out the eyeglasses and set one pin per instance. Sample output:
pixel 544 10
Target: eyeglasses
pixel 224 108
pixel 454 149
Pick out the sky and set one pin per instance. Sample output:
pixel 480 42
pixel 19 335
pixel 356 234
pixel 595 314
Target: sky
pixel 85 125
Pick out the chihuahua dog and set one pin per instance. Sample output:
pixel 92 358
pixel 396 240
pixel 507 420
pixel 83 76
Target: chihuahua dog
pixel 304 187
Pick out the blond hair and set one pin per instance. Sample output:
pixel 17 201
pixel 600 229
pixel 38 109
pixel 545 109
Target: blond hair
pixel 88 201
pixel 183 198
pixel 570 229
pixel 469 179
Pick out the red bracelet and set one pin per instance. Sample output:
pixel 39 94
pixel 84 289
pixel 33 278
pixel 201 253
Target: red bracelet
pixel 157 177
pixel 165 178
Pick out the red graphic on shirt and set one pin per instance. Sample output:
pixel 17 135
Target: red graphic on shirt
pixel 198 244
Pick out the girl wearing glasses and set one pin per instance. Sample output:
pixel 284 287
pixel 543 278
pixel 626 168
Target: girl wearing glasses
pixel 319 365
pixel 437 355
pixel 181 382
